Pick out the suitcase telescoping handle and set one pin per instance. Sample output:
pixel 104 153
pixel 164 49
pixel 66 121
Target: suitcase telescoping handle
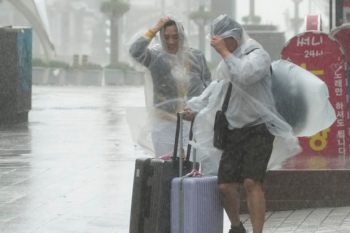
pixel 179 143
pixel 189 147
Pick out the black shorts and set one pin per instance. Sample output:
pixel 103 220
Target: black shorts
pixel 246 155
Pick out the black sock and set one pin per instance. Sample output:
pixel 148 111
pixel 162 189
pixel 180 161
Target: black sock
pixel 239 226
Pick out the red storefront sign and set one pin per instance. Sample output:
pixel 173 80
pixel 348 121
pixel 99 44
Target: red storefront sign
pixel 342 34
pixel 313 23
pixel 346 11
pixel 320 54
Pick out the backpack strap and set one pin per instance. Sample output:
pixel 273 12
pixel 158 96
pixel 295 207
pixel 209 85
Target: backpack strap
pixel 254 50
pixel 271 70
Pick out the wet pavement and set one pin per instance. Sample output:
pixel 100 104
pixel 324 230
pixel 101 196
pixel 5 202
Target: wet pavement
pixel 70 169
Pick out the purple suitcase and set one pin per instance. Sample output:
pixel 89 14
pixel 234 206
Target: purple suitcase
pixel 196 205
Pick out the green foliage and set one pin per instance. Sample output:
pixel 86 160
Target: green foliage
pixel 37 62
pixel 119 66
pixel 245 19
pixel 114 8
pixel 255 19
pixel 88 66
pixel 58 64
pixel 206 15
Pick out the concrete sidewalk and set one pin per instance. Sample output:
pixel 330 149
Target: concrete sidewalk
pixel 70 169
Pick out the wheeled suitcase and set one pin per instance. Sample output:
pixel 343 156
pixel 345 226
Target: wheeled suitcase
pixel 196 205
pixel 150 207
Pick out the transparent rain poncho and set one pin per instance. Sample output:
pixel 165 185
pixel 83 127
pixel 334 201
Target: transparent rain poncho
pixel 170 81
pixel 251 102
pixel 301 98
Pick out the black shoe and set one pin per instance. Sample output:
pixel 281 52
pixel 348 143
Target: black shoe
pixel 238 229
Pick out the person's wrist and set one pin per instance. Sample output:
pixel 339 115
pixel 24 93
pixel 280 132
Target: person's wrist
pixel 154 30
pixel 150 34
pixel 224 53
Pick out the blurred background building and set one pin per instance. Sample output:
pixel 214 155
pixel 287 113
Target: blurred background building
pixel 81 27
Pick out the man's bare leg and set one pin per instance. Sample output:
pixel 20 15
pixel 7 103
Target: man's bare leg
pixel 231 202
pixel 256 204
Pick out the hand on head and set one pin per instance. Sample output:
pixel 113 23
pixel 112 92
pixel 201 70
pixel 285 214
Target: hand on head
pixel 162 21
pixel 224 46
pixel 218 44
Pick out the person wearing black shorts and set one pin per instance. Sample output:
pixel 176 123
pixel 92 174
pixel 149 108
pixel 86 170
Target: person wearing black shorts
pixel 244 161
pixel 246 155
pixel 249 142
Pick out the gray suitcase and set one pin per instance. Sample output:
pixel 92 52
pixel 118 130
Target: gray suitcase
pixel 196 205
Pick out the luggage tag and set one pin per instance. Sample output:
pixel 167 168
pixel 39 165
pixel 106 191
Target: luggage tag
pixel 194 173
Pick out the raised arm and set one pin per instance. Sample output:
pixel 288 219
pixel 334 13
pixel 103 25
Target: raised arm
pixel 247 69
pixel 139 49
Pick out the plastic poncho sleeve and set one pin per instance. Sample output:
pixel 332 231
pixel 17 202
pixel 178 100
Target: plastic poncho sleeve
pixel 140 52
pixel 200 102
pixel 250 68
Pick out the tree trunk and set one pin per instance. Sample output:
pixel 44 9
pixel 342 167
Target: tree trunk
pixel 79 32
pixel 218 8
pixel 65 34
pixel 223 7
pixel 114 41
pixel 201 35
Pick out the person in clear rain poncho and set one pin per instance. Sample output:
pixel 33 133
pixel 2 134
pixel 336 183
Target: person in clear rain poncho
pixel 177 73
pixel 255 128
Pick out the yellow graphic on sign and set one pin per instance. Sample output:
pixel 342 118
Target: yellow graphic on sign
pixel 319 137
pixel 315 72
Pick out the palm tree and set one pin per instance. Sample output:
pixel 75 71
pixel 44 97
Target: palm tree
pixel 114 10
pixel 251 18
pixel 201 18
